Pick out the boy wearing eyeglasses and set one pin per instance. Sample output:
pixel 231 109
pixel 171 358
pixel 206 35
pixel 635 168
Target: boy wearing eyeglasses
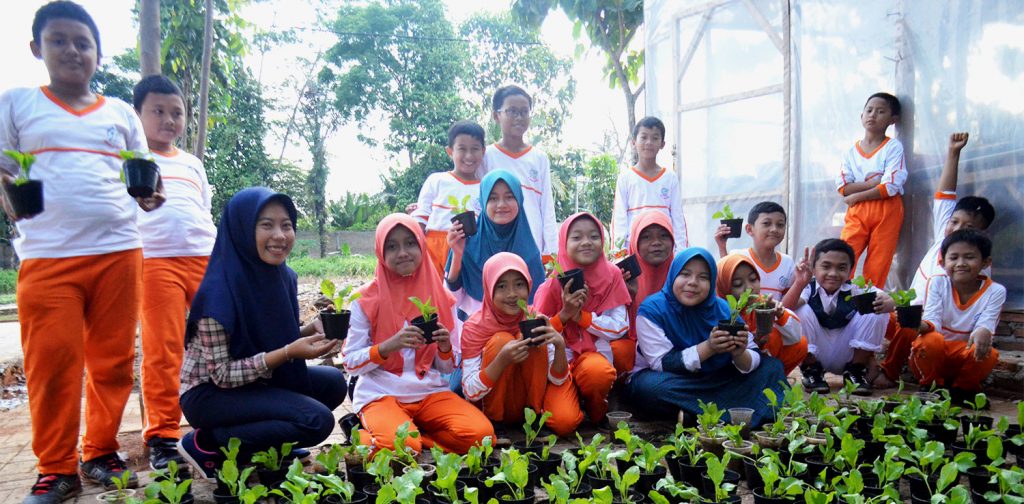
pixel 512 106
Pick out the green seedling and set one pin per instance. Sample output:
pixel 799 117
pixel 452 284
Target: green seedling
pixel 403 489
pixel 270 458
pixel 448 466
pixel 624 483
pixel 555 267
pixel 380 466
pixel 229 473
pixel 478 455
pixel 298 487
pixel 681 492
pixel 650 456
pixel 332 484
pixel 549 444
pixel 862 284
pixel 527 312
pixel 716 473
pixel 459 206
pixel 253 495
pixel 724 214
pixel 709 418
pixel 737 306
pixel 342 298
pixel 685 445
pixel 128 155
pixel 572 471
pixel 426 309
pixel 404 454
pixel 903 297
pixel 513 472
pixel 165 487
pixel 632 441
pixel 760 302
pixel 332 457
pixel 24 160
pixel 531 417
pixel 779 483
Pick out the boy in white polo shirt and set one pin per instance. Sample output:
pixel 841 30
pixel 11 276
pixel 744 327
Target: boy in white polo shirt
pixel 176 243
pixel 766 225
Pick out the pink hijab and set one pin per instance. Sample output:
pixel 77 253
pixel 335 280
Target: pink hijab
pixel 486 322
pixel 652 278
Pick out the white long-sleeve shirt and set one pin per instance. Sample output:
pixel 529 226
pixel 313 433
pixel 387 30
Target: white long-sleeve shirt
pixel 956 319
pixel 183 225
pixel 533 169
pixel 433 208
pixel 360 358
pixel 886 160
pixel 775 281
pixel 942 212
pixel 607 326
pixel 476 385
pixel 653 346
pixel 635 193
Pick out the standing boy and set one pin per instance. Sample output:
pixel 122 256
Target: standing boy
pixel 766 225
pixel 647 186
pixel 512 106
pixel 176 243
pixel 81 273
pixel 871 183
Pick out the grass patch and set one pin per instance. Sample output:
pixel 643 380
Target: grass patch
pixel 8 281
pixel 334 266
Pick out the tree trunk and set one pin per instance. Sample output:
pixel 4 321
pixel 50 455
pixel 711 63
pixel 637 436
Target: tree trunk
pixel 204 81
pixel 149 37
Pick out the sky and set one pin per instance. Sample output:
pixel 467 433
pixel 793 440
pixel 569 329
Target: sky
pixel 355 167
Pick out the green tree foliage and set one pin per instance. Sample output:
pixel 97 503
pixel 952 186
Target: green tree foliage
pixel 117 78
pixel 356 212
pixel 588 180
pixel 503 51
pixel 319 119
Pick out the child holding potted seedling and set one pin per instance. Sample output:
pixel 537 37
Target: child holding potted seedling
pixel 446 196
pixel 177 240
pixel 503 226
pixel 589 318
pixel 684 358
pixel 647 186
pixel 780 337
pixel 244 374
pixel 400 373
pixel 766 225
pixel 80 280
pixel 651 241
pixel 507 370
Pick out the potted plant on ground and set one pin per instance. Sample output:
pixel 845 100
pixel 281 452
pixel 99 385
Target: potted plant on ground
pixel 601 470
pixel 427 321
pixel 121 493
pixel 573 472
pixel 1009 486
pixel 514 473
pixel 649 462
pixel 403 489
pixel 735 444
pixel 231 479
pixel 685 459
pixel 298 487
pixel 463 214
pixel 169 487
pixel 477 458
pixel 709 426
pixel 141 174
pixel 270 464
pixel 726 217
pixel 909 316
pixel 777 483
pixel 974 415
pixel 734 324
pixel 334 490
pixel 26 196
pixel 720 483
pixel 447 476
pixel 624 483
pixel 677 490
pixel 336 322
pixel 864 301
pixel 977 440
pixel 631 442
pixel 925 461
pixel 530 322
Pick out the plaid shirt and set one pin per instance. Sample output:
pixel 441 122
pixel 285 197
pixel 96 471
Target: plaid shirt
pixel 207 360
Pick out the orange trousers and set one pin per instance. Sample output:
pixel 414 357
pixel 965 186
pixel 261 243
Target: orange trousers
pixel 526 385
pixel 623 354
pixel 443 419
pixel 898 351
pixel 933 359
pixel 874 225
pixel 78 314
pixel 594 376
pixel 791 356
pixel 169 283
pixel 437 246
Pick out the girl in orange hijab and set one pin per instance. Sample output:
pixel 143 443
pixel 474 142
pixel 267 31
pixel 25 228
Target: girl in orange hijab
pixel 507 371
pixel 736 274
pixel 652 242
pixel 399 371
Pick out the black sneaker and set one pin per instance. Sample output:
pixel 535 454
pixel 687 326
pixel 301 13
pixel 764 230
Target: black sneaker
pixel 206 462
pixel 53 488
pixel 814 378
pixel 857 375
pixel 162 451
pixel 103 469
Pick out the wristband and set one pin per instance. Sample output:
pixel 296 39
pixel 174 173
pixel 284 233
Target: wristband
pixel 286 357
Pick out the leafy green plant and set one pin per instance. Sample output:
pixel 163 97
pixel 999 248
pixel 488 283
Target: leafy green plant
pixel 229 474
pixel 862 284
pixel 928 458
pixel 685 445
pixel 128 155
pixel 632 441
pixel 725 213
pixel 513 472
pixel 121 485
pixel 478 455
pixel 976 434
pixel 332 484
pixel 606 458
pixel 978 404
pixel 403 453
pixel 528 427
pixel 527 312
pixel 459 206
pixel 426 309
pixel 270 458
pixel 903 297
pixel 165 486
pixel 380 466
pixel 549 444
pixel 298 487
pixel 555 266
pixel 573 470
pixel 447 466
pixel 624 483
pixel 681 492
pixel 332 457
pixel 403 489
pixel 709 418
pixel 1009 485
pixel 24 160
pixel 650 456
pixel 778 480
pixel 889 468
pixel 252 495
pixel 716 473
pixel 342 298
pixel 846 456
pixel 737 306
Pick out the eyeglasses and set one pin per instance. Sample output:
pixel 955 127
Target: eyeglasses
pixel 521 113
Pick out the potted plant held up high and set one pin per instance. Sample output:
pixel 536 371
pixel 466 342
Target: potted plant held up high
pixel 726 217
pixel 575 275
pixel 140 173
pixel 463 214
pixel 26 196
pixel 531 322
pixel 336 322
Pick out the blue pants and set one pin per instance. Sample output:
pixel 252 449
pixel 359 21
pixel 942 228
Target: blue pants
pixel 262 416
pixel 661 395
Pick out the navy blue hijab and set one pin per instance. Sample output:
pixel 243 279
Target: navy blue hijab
pixel 255 302
pixel 686 326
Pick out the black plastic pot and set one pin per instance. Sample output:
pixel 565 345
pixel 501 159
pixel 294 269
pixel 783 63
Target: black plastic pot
pixel 583 492
pixel 26 198
pixel 864 303
pixel 359 478
pixel 980 453
pixel 765 321
pixel 357 498
pixel 527 326
pixel 141 177
pixel 731 328
pixel 649 480
pixel 872 451
pixel 753 477
pixel 735 227
pixel 978 479
pixel 545 468
pixel 980 421
pixel 468 220
pixel 271 478
pixel 814 467
pixel 335 324
pixel 691 474
pixel 909 316
pixel 871 488
pixel 441 498
pixel 673 467
pixel 918 488
pixel 759 498
pixel 505 497
pixel 939 432
pixel 427 326
pixel 225 498
pixel 576 275
pixel 598 482
pixel 709 488
pixel 630 264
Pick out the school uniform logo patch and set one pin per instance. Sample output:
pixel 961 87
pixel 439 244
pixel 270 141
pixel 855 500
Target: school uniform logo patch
pixel 664 194
pixel 112 138
pixel 533 175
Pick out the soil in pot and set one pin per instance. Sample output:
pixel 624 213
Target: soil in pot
pixel 585 491
pixel 765 321
pixel 745 449
pixel 630 264
pixel 576 275
pixel 527 326
pixel 864 303
pixel 224 498
pixel 141 177
pixel 759 498
pixel 427 326
pixel 731 328
pixel 335 324
pixel 26 198
pixel 649 480
pixel 735 227
pixel 713 445
pixel 468 221
pixel 909 316
pixel 506 497
pixel 709 488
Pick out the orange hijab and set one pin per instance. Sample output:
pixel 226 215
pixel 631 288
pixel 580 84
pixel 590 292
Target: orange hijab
pixel 385 300
pixel 652 278
pixel 487 321
pixel 726 268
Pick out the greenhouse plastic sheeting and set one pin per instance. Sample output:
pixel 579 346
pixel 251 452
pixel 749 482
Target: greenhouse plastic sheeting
pixel 717 73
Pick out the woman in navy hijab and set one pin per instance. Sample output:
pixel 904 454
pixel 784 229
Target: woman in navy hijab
pixel 244 374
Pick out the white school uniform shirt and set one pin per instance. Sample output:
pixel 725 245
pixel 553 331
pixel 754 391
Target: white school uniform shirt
pixel 433 208
pixel 376 382
pixel 886 160
pixel 957 319
pixel 533 169
pixel 183 225
pixel 942 212
pixel 775 281
pixel 476 385
pixel 87 209
pixel 653 345
pixel 607 326
pixel 635 194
